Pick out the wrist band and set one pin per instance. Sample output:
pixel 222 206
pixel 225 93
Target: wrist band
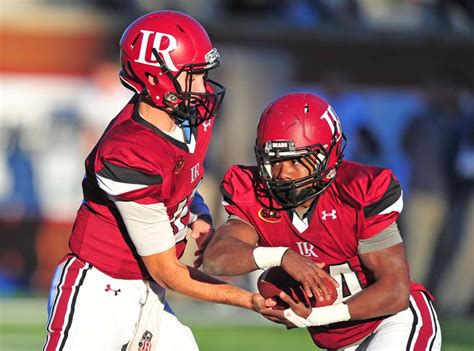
pixel 320 316
pixel 266 257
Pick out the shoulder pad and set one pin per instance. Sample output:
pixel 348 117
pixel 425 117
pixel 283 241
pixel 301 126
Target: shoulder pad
pixel 238 183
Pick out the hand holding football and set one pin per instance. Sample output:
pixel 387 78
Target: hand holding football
pixel 274 280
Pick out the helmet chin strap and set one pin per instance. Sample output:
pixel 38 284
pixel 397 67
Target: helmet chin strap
pixel 186 130
pixel 292 197
pixel 306 194
pixel 185 123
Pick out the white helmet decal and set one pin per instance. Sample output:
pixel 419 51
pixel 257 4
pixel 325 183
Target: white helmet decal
pixel 332 119
pixel 165 53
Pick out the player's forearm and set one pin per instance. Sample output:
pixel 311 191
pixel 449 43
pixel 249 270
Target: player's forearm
pixel 384 297
pixel 228 256
pixel 196 284
pixel 375 301
pixel 390 292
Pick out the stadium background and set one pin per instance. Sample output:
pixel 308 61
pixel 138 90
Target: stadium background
pixel 381 63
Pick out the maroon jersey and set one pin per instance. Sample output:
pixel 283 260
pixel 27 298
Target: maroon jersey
pixel 135 161
pixel 360 202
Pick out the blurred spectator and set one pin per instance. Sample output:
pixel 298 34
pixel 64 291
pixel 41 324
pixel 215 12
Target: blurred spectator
pixel 362 144
pixel 108 97
pixel 451 274
pixel 300 13
pixel 19 216
pixel 251 8
pixel 115 7
pixel 442 12
pixel 429 141
pixel 339 12
pixel 59 170
pixel 205 10
pixel 22 200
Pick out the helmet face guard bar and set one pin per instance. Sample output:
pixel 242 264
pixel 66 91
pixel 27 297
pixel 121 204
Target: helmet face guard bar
pixel 186 104
pixel 293 193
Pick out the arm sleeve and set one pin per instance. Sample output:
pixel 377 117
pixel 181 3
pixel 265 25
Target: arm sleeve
pixel 200 210
pixel 388 237
pixel 148 226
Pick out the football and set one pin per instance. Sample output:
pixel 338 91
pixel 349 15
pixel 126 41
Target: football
pixel 276 279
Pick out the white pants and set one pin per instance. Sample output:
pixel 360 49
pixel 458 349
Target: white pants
pixel 414 329
pixel 88 310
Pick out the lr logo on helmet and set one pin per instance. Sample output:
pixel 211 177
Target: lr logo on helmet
pixel 206 124
pixel 157 38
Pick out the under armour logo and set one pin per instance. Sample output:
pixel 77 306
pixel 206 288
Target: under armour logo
pixel 108 288
pixel 206 124
pixel 325 214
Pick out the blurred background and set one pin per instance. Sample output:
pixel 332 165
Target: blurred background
pixel 399 73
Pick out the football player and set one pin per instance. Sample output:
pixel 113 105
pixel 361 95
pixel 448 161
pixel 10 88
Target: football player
pixel 140 196
pixel 306 209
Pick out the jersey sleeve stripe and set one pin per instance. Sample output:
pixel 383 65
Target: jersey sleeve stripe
pixel 226 197
pixel 392 197
pixel 128 175
pixel 396 207
pixel 388 237
pixel 116 188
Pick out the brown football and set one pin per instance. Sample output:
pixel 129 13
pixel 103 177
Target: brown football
pixel 276 279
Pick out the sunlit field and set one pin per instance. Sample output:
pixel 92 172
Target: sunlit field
pixel 215 328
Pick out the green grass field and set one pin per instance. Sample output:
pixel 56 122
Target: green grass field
pixel 22 328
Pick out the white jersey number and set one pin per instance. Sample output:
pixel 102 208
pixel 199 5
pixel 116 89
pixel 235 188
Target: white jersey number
pixel 347 280
pixel 181 211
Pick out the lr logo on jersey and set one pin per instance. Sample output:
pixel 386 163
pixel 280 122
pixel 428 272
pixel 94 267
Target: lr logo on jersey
pixel 164 51
pixel 306 249
pixel 194 172
pixel 331 214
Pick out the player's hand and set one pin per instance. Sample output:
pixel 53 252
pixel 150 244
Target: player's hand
pixel 298 307
pixel 202 232
pixel 265 308
pixel 310 274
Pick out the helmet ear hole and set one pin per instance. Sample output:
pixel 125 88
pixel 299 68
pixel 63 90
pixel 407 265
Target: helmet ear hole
pixel 152 79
